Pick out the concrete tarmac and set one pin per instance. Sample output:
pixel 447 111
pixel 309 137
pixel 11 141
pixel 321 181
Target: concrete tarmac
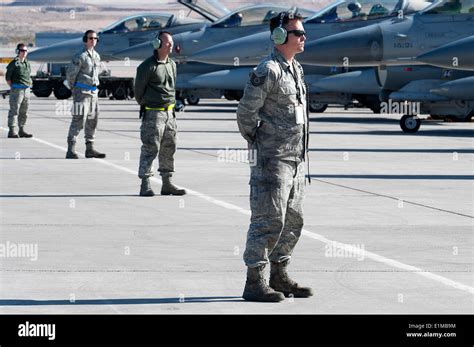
pixel 388 217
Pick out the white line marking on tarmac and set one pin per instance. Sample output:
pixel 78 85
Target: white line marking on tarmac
pixel 310 234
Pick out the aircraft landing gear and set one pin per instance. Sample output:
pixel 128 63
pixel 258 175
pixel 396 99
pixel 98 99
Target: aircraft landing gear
pixel 410 124
pixel 317 107
pixel 192 100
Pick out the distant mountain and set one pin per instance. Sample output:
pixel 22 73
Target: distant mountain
pixel 77 3
pixel 157 3
pixel 47 3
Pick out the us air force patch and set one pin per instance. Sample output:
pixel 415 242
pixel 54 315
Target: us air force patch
pixel 257 80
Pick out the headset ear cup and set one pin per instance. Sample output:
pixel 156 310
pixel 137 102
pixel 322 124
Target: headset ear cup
pixel 279 36
pixel 156 43
pixel 84 39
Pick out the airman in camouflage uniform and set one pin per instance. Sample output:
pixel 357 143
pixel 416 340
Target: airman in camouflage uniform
pixel 155 92
pixel 272 117
pixel 19 79
pixel 82 76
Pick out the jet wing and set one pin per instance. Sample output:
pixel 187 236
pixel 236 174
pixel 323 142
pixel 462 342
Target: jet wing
pixel 212 10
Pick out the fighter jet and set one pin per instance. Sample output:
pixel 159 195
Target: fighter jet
pixel 341 16
pixel 396 41
pixel 125 33
pixel 241 22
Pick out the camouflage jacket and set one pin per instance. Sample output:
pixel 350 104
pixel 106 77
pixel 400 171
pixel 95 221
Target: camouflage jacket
pixel 84 68
pixel 267 116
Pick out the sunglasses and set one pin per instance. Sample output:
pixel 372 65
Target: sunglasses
pixel 23 50
pixel 297 33
pixel 93 38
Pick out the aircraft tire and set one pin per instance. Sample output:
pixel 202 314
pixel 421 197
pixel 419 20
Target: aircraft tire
pixel 42 90
pixel 61 92
pixel 192 100
pixel 410 124
pixel 317 107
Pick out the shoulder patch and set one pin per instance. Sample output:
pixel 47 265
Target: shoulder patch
pixel 257 80
pixel 76 59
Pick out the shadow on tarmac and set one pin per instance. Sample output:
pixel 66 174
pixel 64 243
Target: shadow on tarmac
pixel 400 177
pixel 141 301
pixel 363 150
pixel 67 195
pixel 217 104
pixel 220 110
pixel 421 132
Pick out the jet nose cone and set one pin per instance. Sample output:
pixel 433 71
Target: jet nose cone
pixel 218 54
pixel 355 82
pixel 455 55
pixel 358 47
pixel 58 53
pixel 234 79
pixel 138 52
pixel 460 89
pixel 244 51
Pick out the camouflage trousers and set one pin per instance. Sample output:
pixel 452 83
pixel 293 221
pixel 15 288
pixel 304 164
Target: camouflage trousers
pixel 19 100
pixel 158 135
pixel 276 198
pixel 84 106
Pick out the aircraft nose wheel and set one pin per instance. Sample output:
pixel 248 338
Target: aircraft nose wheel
pixel 410 124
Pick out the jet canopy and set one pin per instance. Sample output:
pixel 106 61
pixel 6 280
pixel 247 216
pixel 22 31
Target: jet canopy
pixel 451 7
pixel 212 10
pixel 255 15
pixel 140 22
pixel 357 10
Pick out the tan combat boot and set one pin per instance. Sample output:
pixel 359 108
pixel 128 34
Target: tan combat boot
pixel 256 289
pixel 280 281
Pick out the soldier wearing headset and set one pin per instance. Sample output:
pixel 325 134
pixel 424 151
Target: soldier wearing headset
pixel 82 76
pixel 155 84
pixel 272 117
pixel 19 79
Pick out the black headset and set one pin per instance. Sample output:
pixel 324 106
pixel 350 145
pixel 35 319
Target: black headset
pixel 84 38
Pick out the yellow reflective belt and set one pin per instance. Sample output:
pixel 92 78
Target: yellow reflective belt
pixel 170 107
